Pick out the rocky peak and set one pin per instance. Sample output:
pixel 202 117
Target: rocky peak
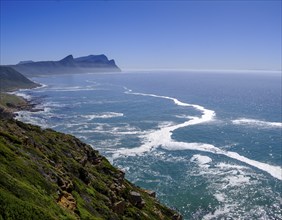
pixel 67 59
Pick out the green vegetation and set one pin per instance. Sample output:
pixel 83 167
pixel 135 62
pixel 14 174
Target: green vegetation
pixel 11 80
pixel 11 101
pixel 45 174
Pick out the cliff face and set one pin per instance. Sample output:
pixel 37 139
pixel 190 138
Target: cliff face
pixel 49 175
pixel 87 64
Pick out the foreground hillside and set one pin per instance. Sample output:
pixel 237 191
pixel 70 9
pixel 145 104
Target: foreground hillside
pixel 45 174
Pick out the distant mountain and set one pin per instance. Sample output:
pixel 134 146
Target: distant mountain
pixel 11 80
pixel 87 64
pixel 26 61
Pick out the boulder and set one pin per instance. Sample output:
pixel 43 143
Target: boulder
pixel 136 199
pixel 150 193
pixel 119 207
pixel 177 217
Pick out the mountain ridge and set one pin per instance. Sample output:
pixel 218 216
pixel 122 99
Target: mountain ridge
pixel 68 65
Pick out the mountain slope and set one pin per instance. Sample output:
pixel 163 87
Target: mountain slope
pixel 11 80
pixel 88 64
pixel 45 174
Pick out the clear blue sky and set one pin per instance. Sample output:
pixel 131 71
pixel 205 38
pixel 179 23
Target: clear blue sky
pixel 146 34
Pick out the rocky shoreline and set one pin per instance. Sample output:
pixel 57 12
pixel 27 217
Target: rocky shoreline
pixel 9 109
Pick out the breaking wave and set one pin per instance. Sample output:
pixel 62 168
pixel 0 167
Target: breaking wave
pixel 257 123
pixel 163 138
pixel 103 115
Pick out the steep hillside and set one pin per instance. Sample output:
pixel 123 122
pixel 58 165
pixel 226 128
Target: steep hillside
pixel 11 80
pixel 45 174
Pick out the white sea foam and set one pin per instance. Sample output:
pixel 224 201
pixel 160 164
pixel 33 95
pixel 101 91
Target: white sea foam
pixel 54 104
pixel 21 94
pixel 163 138
pixel 230 166
pixel 220 197
pixel 235 180
pixel 257 123
pixel 28 117
pixel 105 128
pixel 72 89
pixel 41 85
pixel 219 212
pixel 185 116
pixel 200 159
pixel 228 182
pixel 103 115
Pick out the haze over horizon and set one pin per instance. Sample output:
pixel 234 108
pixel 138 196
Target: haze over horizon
pixel 145 34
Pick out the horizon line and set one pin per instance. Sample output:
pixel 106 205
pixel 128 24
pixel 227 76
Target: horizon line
pixel 199 70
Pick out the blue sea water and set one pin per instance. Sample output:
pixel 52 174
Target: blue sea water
pixel 209 143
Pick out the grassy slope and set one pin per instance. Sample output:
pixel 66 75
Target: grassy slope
pixel 49 175
pixel 11 80
pixel 10 101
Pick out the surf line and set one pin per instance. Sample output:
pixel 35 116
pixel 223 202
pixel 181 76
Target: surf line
pixel 163 138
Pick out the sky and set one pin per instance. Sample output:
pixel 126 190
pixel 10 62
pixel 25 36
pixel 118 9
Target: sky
pixel 145 34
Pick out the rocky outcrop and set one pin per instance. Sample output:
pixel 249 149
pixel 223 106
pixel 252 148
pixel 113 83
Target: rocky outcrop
pixel 151 193
pixel 136 199
pixel 67 201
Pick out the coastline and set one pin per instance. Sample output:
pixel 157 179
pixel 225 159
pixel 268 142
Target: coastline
pixel 125 198
pixel 11 103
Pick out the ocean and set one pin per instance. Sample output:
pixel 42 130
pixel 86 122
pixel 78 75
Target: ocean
pixel 208 142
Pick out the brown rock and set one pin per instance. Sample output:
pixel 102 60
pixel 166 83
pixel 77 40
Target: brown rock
pixel 151 193
pixel 121 175
pixel 67 200
pixel 65 185
pixel 141 204
pixel 136 199
pixel 119 207
pixel 177 217
pixel 84 175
